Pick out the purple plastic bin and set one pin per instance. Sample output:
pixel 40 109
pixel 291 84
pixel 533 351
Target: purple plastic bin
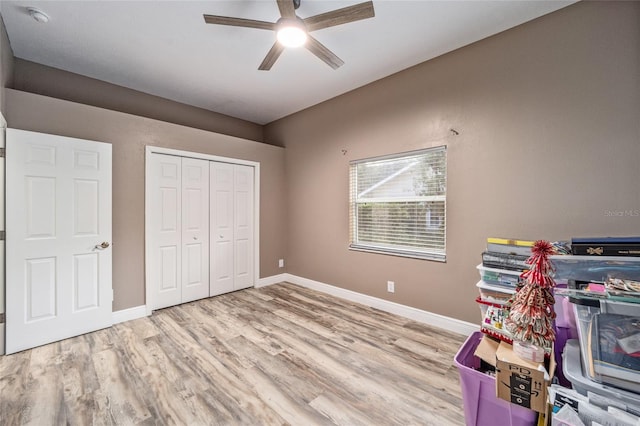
pixel 564 311
pixel 481 405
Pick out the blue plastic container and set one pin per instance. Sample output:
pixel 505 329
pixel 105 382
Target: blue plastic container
pixel 481 405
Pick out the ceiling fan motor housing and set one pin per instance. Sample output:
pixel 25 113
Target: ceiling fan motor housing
pixel 291 32
pixel 291 22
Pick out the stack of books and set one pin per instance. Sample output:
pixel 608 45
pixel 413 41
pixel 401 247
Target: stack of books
pixel 502 264
pixel 606 246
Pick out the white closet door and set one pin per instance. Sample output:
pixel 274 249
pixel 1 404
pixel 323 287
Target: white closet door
pixel 58 238
pixel 166 231
pixel 195 229
pixel 243 226
pixel 222 227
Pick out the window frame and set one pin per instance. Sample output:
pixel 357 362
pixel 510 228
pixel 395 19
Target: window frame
pixel 438 255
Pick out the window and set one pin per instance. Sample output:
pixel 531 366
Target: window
pixel 398 204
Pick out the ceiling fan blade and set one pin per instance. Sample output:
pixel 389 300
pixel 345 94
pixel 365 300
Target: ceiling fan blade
pixel 323 53
pixel 286 8
pixel 272 56
pixel 238 22
pixel 345 15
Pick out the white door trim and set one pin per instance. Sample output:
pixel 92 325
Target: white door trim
pixel 3 126
pixel 149 150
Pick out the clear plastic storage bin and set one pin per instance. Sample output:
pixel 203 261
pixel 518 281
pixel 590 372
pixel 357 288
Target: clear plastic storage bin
pixel 494 293
pixel 593 268
pixel 604 328
pixel 573 371
pixel 498 276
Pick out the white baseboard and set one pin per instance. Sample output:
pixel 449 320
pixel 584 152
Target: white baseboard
pixel 2 339
pixel 425 317
pixel 274 279
pixel 129 314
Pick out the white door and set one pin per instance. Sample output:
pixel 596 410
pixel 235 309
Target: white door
pixel 222 227
pixel 243 227
pixel 179 230
pixel 231 227
pixel 165 235
pixel 195 229
pixel 58 217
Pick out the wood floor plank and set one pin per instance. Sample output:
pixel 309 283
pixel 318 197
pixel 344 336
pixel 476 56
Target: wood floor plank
pixel 123 401
pixel 346 374
pixel 277 355
pixel 339 412
pixel 42 400
pixel 79 381
pixel 226 394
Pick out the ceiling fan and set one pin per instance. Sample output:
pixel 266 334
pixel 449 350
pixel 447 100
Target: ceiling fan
pixel 294 31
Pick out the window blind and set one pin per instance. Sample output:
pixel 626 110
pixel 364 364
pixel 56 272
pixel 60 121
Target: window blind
pixel 398 204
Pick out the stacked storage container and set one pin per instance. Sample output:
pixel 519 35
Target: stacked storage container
pixel 496 287
pixel 477 379
pixel 605 359
pixel 502 264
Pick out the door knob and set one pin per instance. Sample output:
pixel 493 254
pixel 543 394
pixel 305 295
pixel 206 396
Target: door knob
pixel 102 246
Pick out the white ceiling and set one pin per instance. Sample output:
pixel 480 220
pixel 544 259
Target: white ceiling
pixel 164 48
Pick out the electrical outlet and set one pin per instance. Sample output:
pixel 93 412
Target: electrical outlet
pixel 281 263
pixel 391 287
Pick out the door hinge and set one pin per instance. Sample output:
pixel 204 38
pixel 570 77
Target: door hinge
pixel 1 318
pixel 2 152
pixel 3 235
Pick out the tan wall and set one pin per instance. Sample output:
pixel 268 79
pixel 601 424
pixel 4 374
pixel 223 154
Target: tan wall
pixel 549 122
pixel 129 134
pixel 56 83
pixel 6 65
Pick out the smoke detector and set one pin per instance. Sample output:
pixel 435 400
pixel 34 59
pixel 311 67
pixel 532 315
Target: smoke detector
pixel 38 15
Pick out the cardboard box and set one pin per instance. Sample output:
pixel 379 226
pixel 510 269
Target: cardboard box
pixel 522 382
pixel 487 349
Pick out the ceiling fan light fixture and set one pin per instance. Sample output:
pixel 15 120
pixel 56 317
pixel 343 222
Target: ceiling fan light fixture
pixel 291 34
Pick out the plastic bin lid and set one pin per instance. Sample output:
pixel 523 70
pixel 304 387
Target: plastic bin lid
pixel 594 303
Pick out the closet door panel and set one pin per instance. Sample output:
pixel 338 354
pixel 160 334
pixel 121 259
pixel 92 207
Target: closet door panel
pixel 195 229
pixel 222 220
pixel 243 227
pixel 166 235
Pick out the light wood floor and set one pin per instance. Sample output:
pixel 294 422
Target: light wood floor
pixel 276 355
